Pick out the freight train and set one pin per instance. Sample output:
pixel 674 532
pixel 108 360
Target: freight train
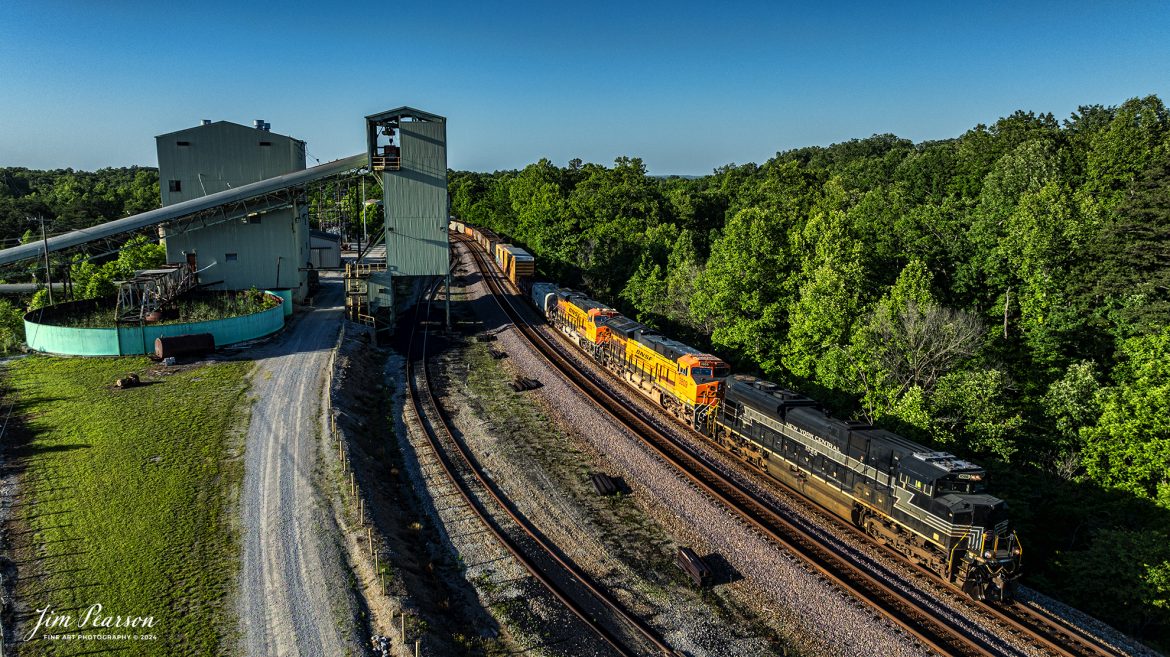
pixel 930 506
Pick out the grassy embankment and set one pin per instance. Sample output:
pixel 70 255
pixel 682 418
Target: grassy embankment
pixel 127 500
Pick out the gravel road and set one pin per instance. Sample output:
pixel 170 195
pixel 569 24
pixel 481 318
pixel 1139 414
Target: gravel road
pixel 292 587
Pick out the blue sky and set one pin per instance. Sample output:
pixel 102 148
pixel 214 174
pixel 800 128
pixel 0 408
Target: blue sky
pixel 685 86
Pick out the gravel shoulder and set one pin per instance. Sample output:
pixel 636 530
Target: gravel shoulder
pixel 293 597
pixel 423 580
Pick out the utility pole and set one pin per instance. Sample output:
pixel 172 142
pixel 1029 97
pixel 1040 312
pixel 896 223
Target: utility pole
pixel 48 270
pixel 362 214
pixel 340 214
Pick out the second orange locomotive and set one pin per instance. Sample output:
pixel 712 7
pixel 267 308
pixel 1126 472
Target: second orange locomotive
pixel 680 378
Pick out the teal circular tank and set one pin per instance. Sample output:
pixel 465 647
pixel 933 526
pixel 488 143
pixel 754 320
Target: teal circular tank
pixel 126 340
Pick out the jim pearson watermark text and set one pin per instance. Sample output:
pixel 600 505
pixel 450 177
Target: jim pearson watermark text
pixel 93 618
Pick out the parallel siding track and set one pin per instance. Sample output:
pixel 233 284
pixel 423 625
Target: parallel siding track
pixel 627 634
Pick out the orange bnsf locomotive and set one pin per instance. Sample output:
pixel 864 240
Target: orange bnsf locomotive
pixel 682 379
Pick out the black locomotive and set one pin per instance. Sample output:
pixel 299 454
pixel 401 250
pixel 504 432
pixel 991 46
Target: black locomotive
pixel 928 505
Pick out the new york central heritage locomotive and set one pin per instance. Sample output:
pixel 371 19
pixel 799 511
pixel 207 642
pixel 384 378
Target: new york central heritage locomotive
pixel 928 505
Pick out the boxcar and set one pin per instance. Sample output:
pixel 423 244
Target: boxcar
pixel 519 267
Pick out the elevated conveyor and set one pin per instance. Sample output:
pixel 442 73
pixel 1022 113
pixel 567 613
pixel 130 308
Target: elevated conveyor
pixel 195 213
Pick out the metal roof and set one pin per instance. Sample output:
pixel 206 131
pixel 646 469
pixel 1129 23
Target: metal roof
pixel 517 251
pixel 320 234
pixel 181 210
pixel 227 123
pixel 405 112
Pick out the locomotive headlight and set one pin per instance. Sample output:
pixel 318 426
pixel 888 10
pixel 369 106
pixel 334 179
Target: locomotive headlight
pixel 1016 551
pixel 987 554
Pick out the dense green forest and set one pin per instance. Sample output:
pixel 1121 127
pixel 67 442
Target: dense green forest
pixel 69 199
pixel 1004 295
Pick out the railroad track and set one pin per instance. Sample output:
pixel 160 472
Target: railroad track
pixel 944 635
pixel 559 575
pixel 1063 637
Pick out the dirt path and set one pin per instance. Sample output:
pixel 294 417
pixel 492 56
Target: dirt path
pixel 292 589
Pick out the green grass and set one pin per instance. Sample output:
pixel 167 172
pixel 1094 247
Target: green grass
pixel 127 499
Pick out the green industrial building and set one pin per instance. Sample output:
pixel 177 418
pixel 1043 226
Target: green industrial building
pixel 266 244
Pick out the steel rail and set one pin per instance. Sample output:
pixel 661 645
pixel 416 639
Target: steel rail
pixel 934 633
pixel 1033 625
pixel 425 395
pixel 1056 634
pixel 1039 628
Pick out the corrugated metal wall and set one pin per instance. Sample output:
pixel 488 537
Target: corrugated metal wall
pixel 246 254
pixel 212 158
pixel 416 202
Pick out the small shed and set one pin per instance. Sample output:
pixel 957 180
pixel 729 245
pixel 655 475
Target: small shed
pixel 324 250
